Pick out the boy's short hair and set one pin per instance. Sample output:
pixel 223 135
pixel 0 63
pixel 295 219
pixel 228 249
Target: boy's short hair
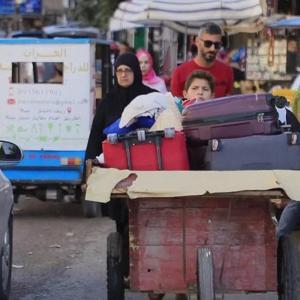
pixel 200 75
pixel 210 28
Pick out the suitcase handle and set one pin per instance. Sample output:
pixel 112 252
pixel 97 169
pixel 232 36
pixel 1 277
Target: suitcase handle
pixel 293 138
pixel 141 136
pixel 132 141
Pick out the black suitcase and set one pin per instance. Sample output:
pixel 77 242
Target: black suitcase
pixel 258 152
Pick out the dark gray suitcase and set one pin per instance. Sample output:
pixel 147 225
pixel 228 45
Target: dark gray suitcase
pixel 258 152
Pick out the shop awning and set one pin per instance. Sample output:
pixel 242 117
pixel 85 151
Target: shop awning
pixel 187 16
pixel 290 22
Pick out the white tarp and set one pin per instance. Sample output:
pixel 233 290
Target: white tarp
pixel 156 184
pixel 187 16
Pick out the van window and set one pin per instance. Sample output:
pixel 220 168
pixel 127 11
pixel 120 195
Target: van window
pixel 38 72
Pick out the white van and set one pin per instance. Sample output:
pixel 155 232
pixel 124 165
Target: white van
pixel 47 98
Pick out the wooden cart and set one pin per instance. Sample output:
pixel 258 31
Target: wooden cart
pixel 222 244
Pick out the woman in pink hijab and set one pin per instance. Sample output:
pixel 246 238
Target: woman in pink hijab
pixel 149 77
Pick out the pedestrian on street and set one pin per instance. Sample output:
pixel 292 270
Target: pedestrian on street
pixel 149 76
pixel 208 42
pixel 128 85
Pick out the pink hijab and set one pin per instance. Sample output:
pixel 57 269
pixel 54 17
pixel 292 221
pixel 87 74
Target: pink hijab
pixel 150 77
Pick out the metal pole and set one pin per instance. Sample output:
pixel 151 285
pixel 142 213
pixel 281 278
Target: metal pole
pixel 185 43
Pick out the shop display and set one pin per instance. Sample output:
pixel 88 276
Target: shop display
pixel 266 59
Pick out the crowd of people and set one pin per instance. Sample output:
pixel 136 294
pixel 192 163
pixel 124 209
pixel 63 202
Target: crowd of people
pixel 201 78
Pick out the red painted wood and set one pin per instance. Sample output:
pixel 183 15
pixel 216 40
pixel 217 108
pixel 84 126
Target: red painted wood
pixel 165 235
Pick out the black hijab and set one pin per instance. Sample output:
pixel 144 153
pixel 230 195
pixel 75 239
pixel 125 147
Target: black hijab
pixel 111 107
pixel 125 95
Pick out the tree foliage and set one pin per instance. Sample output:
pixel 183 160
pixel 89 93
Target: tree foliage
pixel 94 12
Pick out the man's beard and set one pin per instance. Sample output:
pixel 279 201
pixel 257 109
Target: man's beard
pixel 209 56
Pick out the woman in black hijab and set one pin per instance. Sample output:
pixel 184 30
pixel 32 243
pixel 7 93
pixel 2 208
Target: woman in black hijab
pixel 128 85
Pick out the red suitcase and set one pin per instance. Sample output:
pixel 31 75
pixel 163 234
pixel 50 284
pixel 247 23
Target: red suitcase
pixel 229 117
pixel 142 150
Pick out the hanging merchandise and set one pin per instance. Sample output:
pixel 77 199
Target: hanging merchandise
pixel 266 57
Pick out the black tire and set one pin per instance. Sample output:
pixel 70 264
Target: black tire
pixel 289 267
pixel 90 209
pixel 115 278
pixel 6 262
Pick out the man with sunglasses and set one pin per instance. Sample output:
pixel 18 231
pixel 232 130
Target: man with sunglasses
pixel 208 42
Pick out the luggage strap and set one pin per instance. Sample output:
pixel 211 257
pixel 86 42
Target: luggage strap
pixel 142 137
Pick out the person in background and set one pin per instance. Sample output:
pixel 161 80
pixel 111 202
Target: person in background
pixel 198 87
pixel 208 42
pixel 238 62
pixel 296 83
pixel 292 56
pixel 124 47
pixel 58 74
pixel 149 76
pixel 128 85
pixel 193 51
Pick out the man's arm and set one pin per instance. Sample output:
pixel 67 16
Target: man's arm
pixel 176 88
pixel 230 81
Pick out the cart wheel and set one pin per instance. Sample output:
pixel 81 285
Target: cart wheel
pixel 90 209
pixel 112 138
pixel 205 274
pixel 115 280
pixel 289 266
pixel 141 135
pixel 169 133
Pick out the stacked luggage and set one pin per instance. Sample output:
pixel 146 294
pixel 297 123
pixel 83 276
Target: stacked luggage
pixel 241 132
pixel 148 136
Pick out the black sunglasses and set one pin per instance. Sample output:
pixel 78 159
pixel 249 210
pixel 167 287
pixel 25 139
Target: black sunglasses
pixel 208 44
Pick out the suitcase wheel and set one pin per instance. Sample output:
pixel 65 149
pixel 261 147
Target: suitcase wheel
pixel 169 132
pixel 215 145
pixel 112 138
pixel 141 135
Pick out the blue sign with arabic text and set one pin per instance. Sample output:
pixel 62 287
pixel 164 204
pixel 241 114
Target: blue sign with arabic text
pixel 26 7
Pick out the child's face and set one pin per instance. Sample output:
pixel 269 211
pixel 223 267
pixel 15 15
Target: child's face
pixel 199 90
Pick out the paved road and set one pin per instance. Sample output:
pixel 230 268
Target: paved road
pixel 58 254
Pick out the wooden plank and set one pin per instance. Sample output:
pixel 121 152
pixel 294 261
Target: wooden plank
pixel 157 268
pixel 164 242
